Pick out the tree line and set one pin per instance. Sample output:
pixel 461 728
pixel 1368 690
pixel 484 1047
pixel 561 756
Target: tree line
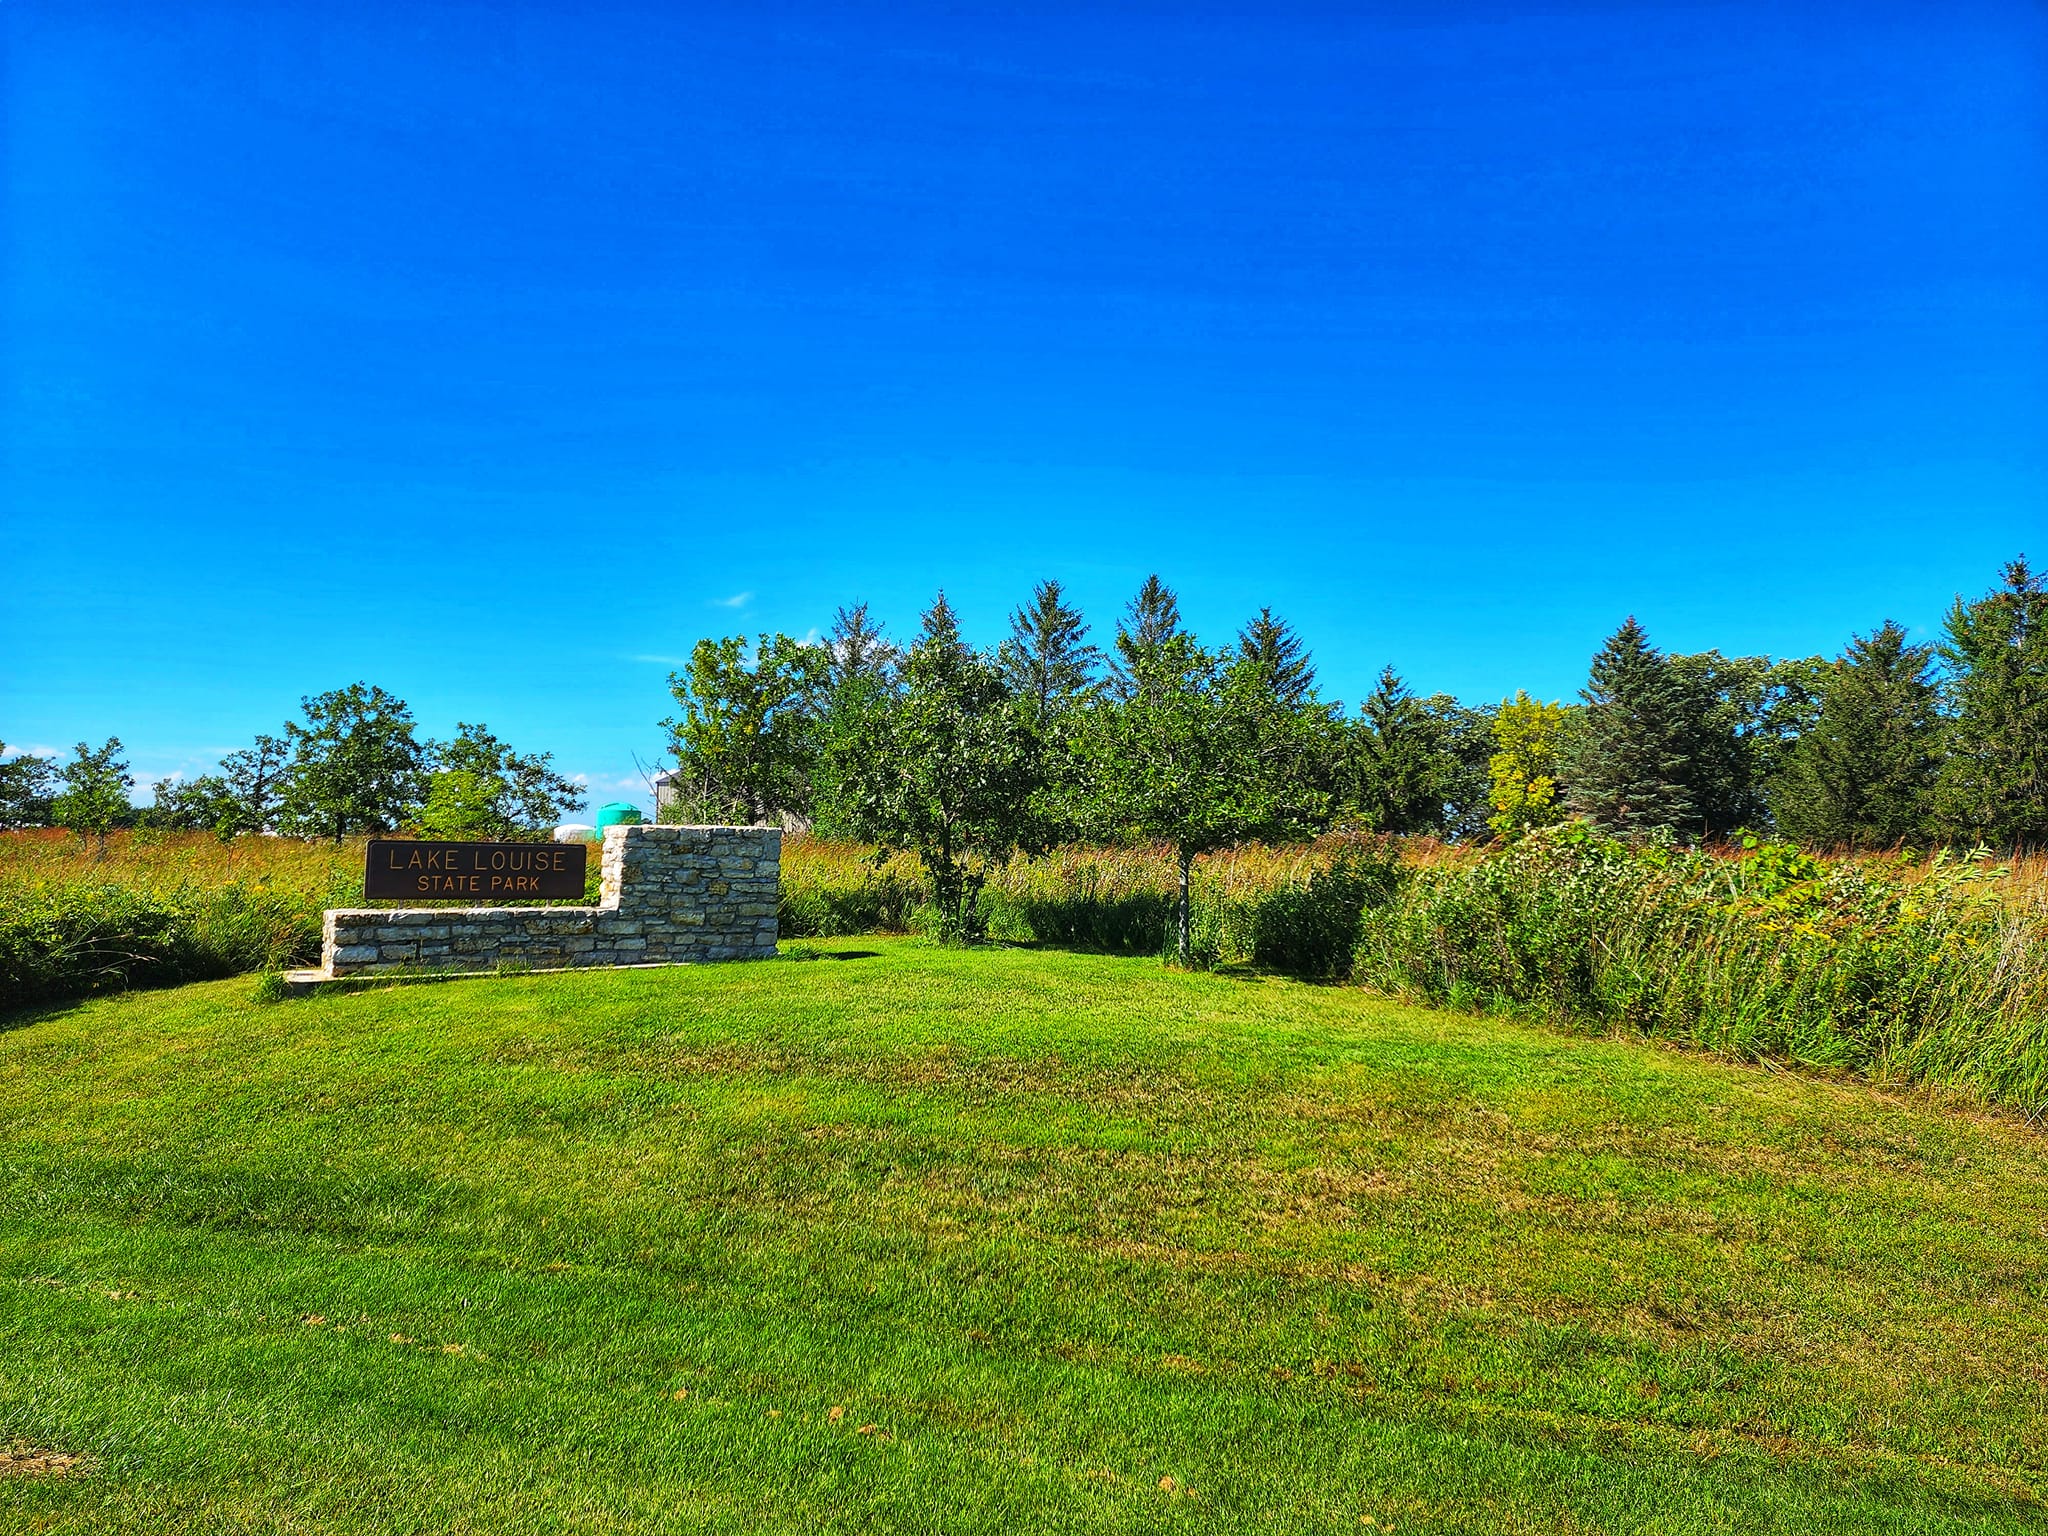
pixel 353 763
pixel 965 756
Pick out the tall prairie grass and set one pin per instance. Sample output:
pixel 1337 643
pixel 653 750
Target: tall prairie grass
pixel 1906 968
pixel 1910 968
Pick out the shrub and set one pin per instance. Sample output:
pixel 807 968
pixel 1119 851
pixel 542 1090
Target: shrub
pixel 70 940
pixel 1890 968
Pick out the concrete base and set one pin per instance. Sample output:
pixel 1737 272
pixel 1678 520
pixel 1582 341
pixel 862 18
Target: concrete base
pixel 305 983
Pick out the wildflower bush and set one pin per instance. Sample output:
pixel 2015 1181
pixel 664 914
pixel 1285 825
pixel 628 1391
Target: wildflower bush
pixel 1929 970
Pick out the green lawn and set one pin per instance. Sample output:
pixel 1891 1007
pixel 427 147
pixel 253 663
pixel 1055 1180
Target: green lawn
pixel 999 1240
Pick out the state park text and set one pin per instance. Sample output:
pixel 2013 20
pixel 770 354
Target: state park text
pixel 534 871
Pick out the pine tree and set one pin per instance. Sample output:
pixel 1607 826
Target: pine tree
pixel 1631 769
pixel 1397 773
pixel 1150 622
pixel 1047 658
pixel 1278 657
pixel 858 647
pixel 1994 783
pixel 1862 776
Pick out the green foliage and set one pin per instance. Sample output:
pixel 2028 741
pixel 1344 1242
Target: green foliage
pixel 1047 660
pixel 859 648
pixel 254 783
pixel 1416 765
pixel 1150 622
pixel 355 766
pixel 72 939
pixel 1843 965
pixel 1200 755
pixel 1994 783
pixel 1051 670
pixel 27 785
pixel 204 804
pixel 1278 658
pixel 1312 930
pixel 481 788
pixel 461 804
pixel 1631 771
pixel 1863 774
pixel 942 767
pixel 746 741
pixel 1523 772
pixel 94 799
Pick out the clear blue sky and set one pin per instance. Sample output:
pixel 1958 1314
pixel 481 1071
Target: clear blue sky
pixel 496 353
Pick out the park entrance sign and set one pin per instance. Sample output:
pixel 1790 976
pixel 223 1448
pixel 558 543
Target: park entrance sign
pixel 666 896
pixel 489 872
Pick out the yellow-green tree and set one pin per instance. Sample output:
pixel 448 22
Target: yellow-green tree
pixel 1529 735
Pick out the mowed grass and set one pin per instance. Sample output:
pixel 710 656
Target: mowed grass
pixel 999 1240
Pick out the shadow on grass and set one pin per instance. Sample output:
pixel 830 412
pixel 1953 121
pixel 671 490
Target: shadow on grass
pixel 26 1015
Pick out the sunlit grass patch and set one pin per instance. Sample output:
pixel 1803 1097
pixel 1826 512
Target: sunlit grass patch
pixel 1047 1231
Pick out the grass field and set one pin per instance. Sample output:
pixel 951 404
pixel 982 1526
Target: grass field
pixel 991 1240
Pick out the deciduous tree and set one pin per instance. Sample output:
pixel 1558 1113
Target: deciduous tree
pixel 1524 769
pixel 95 795
pixel 480 787
pixel 746 740
pixel 1194 754
pixel 356 766
pixel 942 767
pixel 27 785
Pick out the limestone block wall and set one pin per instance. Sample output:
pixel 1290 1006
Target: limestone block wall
pixel 666 895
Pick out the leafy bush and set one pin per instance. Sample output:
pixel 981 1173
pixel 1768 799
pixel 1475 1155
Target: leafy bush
pixel 68 940
pixel 1883 967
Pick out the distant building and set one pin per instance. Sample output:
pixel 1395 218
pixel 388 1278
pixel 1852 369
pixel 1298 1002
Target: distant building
pixel 668 804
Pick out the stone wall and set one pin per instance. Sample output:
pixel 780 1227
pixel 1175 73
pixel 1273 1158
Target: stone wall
pixel 666 895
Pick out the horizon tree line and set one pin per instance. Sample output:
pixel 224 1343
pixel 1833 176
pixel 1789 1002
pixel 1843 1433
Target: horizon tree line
pixel 965 756
pixel 352 764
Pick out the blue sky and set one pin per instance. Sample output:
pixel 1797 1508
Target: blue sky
pixel 496 353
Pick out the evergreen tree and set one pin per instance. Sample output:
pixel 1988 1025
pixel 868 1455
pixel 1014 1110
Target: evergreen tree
pixel 95 795
pixel 1994 783
pixel 1278 658
pixel 1150 622
pixel 1047 658
pixel 1630 773
pixel 1862 776
pixel 858 647
pixel 1397 765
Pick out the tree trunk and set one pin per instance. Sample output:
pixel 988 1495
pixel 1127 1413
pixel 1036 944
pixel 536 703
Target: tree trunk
pixel 1187 945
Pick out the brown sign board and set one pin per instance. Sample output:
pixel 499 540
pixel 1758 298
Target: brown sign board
pixel 477 872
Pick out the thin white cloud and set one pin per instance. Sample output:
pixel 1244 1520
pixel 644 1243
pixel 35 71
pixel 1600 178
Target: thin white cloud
pixel 33 749
pixel 662 661
pixel 737 600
